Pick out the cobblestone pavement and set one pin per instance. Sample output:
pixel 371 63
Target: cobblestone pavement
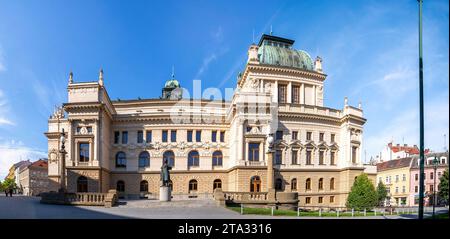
pixel 21 207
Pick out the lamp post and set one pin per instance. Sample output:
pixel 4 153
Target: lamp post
pixel 435 164
pixel 421 118
pixel 62 170
pixel 269 152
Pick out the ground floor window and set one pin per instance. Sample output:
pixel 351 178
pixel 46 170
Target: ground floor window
pixel 320 199
pixel 278 184
pixel 144 186
pixel 120 187
pixel 308 200
pixel 255 184
pixel 82 184
pixel 217 184
pixel 331 199
pixel 193 185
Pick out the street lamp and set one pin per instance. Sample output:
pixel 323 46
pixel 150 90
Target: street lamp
pixel 63 163
pixel 435 165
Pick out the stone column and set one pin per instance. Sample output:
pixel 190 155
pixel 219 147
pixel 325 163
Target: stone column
pixel 275 92
pixel 289 92
pixel 270 172
pixel 302 93
pixel 314 95
pixel 240 140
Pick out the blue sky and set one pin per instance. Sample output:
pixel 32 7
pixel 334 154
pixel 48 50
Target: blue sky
pixel 369 51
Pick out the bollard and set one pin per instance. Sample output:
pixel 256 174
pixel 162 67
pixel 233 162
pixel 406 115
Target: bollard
pixel 242 209
pixel 320 212
pixel 298 211
pixel 365 213
pixel 353 212
pixel 272 211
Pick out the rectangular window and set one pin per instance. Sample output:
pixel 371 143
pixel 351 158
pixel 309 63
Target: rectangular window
pixel 198 135
pixel 321 136
pixel 333 136
pixel 416 189
pixel 148 136
pixel 388 190
pixel 332 155
pixel 89 129
pixel 294 157
pixel 439 174
pixel 396 178
pixel 416 177
pixel 222 136
pixel 294 135
pixel 173 136
pixel 431 188
pixel 84 152
pixel 282 93
pixel 403 189
pixel 124 137
pixel 253 151
pixel 189 136
pixel 296 94
pixel 308 200
pixel 279 135
pixel 278 157
pixel 396 189
pixel 320 199
pixel 116 137
pixel 331 199
pixel 308 135
pixel 78 129
pixel 404 177
pixel 387 179
pixel 308 157
pixel 321 157
pixel 431 175
pixel 140 137
pixel 214 136
pixel 164 135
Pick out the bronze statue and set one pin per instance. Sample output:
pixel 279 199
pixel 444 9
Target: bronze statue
pixel 165 175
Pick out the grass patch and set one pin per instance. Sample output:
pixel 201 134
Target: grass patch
pixel 267 212
pixel 439 216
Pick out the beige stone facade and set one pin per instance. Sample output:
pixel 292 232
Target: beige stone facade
pixel 108 141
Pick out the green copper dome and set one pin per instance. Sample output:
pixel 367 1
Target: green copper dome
pixel 285 56
pixel 172 83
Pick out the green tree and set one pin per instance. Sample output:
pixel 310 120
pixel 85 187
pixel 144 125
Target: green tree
pixel 9 184
pixel 363 194
pixel 443 186
pixel 1 186
pixel 381 193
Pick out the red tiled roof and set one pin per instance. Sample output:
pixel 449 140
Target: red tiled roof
pixel 392 164
pixel 40 163
pixel 408 149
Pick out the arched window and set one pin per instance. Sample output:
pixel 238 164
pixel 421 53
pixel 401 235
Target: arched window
pixel 217 158
pixel 308 184
pixel 144 159
pixel 320 183
pixel 82 184
pixel 332 184
pixel 193 159
pixel 294 184
pixel 121 160
pixel 278 184
pixel 170 156
pixel 120 186
pixel 144 186
pixel 217 184
pixel 193 185
pixel 255 184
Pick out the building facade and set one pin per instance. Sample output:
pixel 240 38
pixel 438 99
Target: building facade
pixel 430 176
pixel 395 175
pixel 121 144
pixel 33 179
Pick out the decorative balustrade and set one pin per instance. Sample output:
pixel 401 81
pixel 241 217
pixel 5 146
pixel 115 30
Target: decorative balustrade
pixel 89 199
pixel 238 197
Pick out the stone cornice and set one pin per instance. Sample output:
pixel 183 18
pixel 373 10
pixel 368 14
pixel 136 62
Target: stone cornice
pixel 280 69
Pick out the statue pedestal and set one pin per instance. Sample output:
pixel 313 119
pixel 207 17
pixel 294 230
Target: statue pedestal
pixel 164 194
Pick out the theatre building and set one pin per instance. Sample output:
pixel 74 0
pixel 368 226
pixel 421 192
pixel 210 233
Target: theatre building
pixel 121 144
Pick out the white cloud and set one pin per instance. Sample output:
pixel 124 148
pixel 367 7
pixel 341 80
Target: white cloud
pixel 4 111
pixel 12 152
